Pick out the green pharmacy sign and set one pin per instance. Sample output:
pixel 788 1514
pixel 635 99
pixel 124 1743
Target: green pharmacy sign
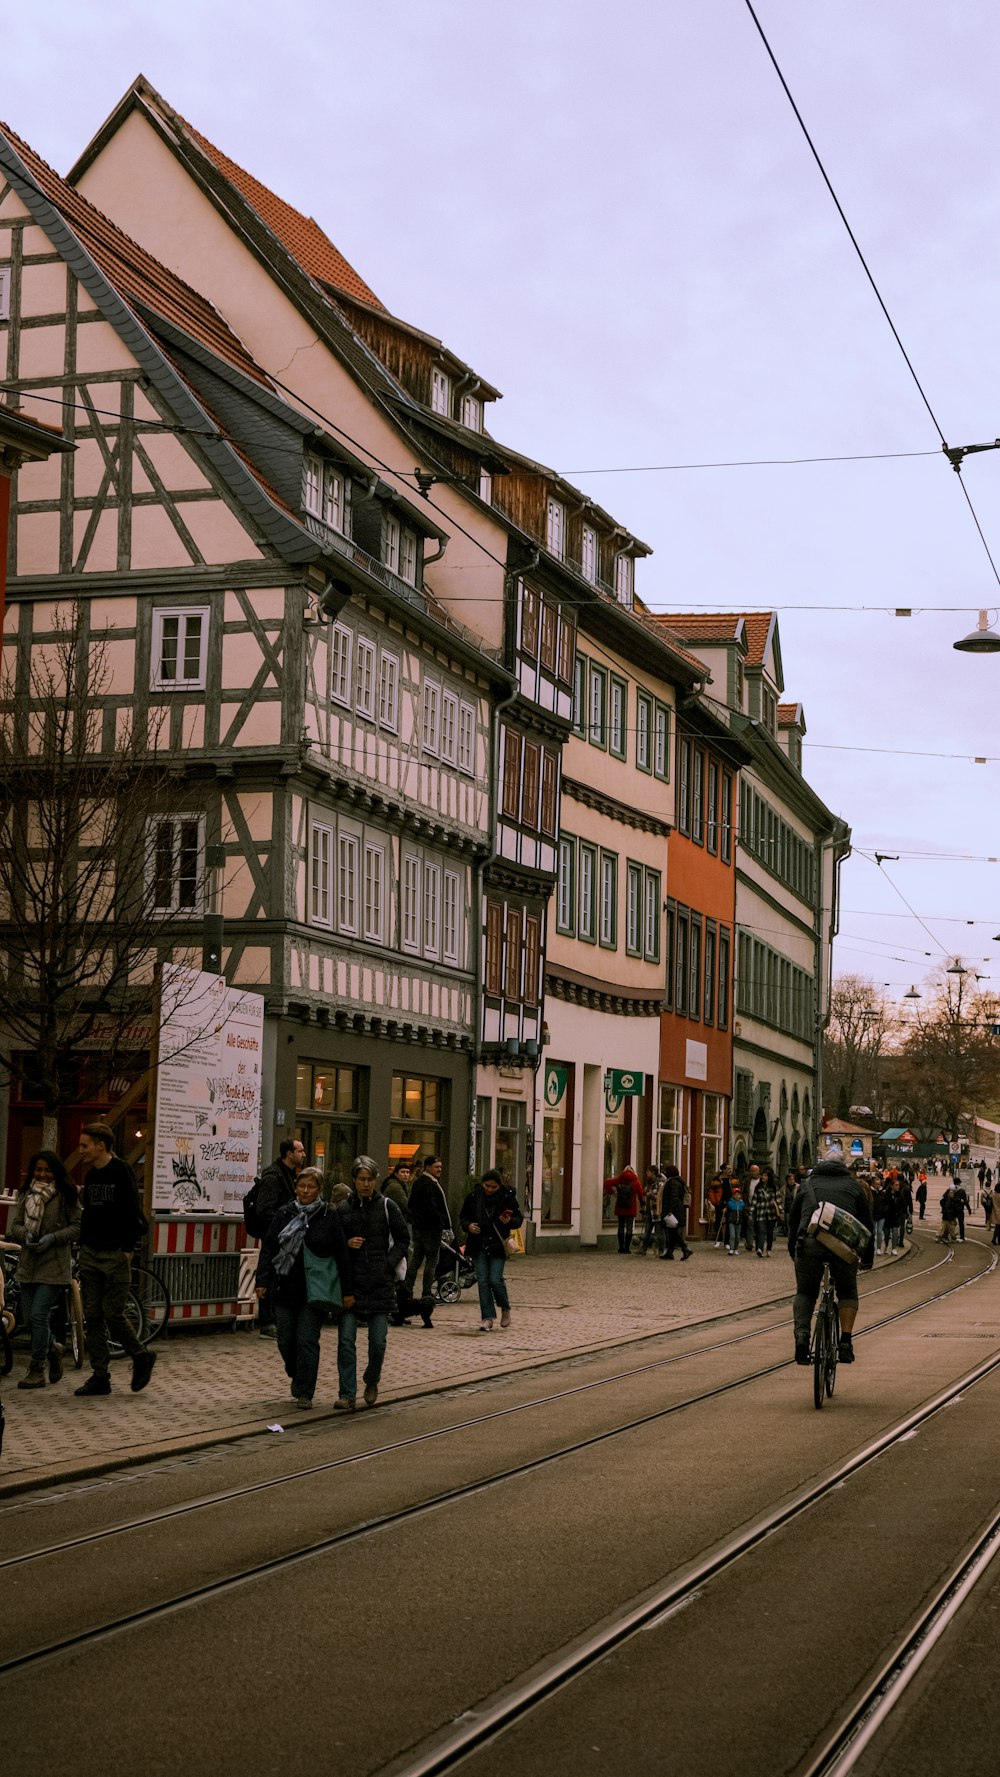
pixel 620 1082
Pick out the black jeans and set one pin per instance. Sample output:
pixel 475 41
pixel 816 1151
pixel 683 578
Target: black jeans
pixel 810 1257
pixel 626 1227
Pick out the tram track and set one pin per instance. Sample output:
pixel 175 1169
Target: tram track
pixel 289 1559
pixel 232 1495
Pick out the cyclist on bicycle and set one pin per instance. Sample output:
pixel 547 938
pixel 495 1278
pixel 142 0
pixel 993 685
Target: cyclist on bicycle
pixel 829 1182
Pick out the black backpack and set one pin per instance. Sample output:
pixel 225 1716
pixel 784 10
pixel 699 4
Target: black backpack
pixel 624 1197
pixel 253 1221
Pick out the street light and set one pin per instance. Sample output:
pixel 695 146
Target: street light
pixel 913 995
pixel 956 968
pixel 982 640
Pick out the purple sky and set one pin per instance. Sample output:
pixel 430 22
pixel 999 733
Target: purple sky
pixel 611 212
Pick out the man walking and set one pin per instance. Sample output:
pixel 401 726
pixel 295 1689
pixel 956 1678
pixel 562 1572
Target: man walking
pixel 376 1234
pixel 430 1218
pixel 110 1229
pixel 276 1189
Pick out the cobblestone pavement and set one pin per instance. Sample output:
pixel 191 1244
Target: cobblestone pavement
pixel 210 1385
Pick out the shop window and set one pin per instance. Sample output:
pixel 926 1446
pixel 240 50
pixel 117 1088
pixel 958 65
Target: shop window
pixel 418 1111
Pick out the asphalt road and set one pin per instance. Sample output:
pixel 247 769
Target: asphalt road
pixel 350 1658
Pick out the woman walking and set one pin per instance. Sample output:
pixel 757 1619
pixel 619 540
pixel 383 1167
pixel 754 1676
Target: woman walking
pixel 489 1215
pixel 301 1231
pixel 46 1222
pixel 764 1212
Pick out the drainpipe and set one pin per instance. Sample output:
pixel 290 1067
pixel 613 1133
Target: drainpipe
pixel 822 1023
pixel 510 580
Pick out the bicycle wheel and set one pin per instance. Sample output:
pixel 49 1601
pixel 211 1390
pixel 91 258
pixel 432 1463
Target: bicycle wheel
pixel 832 1353
pixel 74 1313
pixel 819 1360
pixel 153 1298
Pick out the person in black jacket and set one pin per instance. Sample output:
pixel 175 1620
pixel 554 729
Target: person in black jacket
pixel 430 1218
pixel 489 1214
pixel 276 1191
pixel 111 1227
pixel 376 1235
pixel 281 1275
pixel 829 1182
pixel 674 1192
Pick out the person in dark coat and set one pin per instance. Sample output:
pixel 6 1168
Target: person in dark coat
pixel 430 1218
pixel 281 1274
pixel 377 1237
pixel 674 1194
pixel 276 1191
pixel 961 1205
pixel 489 1214
pixel 45 1224
pixel 829 1182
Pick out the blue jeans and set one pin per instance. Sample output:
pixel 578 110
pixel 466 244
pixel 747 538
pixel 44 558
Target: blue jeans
pixel 347 1361
pixel 298 1342
pixel 489 1277
pixel 39 1300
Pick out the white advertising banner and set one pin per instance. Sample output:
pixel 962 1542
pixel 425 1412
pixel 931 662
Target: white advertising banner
pixel 208 1088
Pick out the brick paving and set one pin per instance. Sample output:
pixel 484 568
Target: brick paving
pixel 211 1385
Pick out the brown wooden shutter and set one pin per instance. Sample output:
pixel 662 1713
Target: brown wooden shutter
pixel 550 777
pixel 512 972
pixel 529 781
pixel 512 774
pixel 494 949
pixel 532 954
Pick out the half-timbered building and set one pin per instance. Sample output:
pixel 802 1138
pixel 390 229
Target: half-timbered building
pixel 259 593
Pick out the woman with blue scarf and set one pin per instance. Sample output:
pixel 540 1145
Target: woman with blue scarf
pixel 295 1272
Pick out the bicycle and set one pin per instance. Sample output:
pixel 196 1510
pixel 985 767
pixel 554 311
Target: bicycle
pixel 147 1306
pixel 12 1321
pixel 825 1340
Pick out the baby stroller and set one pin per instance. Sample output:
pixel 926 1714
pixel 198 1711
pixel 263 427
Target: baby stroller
pixel 454 1274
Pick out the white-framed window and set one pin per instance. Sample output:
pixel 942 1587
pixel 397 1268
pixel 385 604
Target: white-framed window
pixel 624 579
pixel 347 883
pixel 341 643
pixel 472 413
pixel 408 557
pixel 587 906
pixel 467 739
pixel 432 910
pixel 566 887
pixel 643 730
pixel 390 542
pixel 388 690
pixel 374 915
pixel 411 902
pixel 449 727
pixel 651 932
pixel 661 740
pixel 597 699
pixel 326 493
pixel 633 910
pixel 609 900
pixel 486 486
pixel 440 392
pixel 179 649
pixel 367 655
pixel 617 716
pixel 321 874
pixel 555 528
pixel 175 846
pixel 432 716
pixel 451 923
pixel 588 554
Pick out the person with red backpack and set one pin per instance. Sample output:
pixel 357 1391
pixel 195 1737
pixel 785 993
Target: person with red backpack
pixel 628 1195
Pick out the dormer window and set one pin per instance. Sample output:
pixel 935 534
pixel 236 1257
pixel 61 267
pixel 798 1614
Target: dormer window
pixel 588 554
pixel 769 710
pixel 399 549
pixel 624 580
pixel 738 685
pixel 486 486
pixel 555 529
pixel 440 393
pixel 326 493
pixel 472 413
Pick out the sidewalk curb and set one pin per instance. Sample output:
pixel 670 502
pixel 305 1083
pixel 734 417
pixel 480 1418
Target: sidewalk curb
pixel 37 1480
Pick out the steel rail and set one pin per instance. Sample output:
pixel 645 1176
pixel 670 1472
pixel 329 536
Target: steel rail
pixel 294 1557
pixel 226 1496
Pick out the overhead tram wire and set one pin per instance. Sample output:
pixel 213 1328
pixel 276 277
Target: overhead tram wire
pixel 884 872
pixel 869 275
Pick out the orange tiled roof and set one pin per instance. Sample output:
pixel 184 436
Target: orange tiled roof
pixel 788 714
pixel 722 626
pixel 133 272
pixel 303 238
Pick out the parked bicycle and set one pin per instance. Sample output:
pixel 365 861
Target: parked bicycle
pixel 825 1340
pixel 147 1310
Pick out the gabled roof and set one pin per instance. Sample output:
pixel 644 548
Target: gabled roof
pixel 301 235
pixel 133 272
pixel 754 629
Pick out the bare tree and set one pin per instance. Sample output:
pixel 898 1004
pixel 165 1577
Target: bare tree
pixel 863 1027
pixel 93 865
pixel 949 1065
